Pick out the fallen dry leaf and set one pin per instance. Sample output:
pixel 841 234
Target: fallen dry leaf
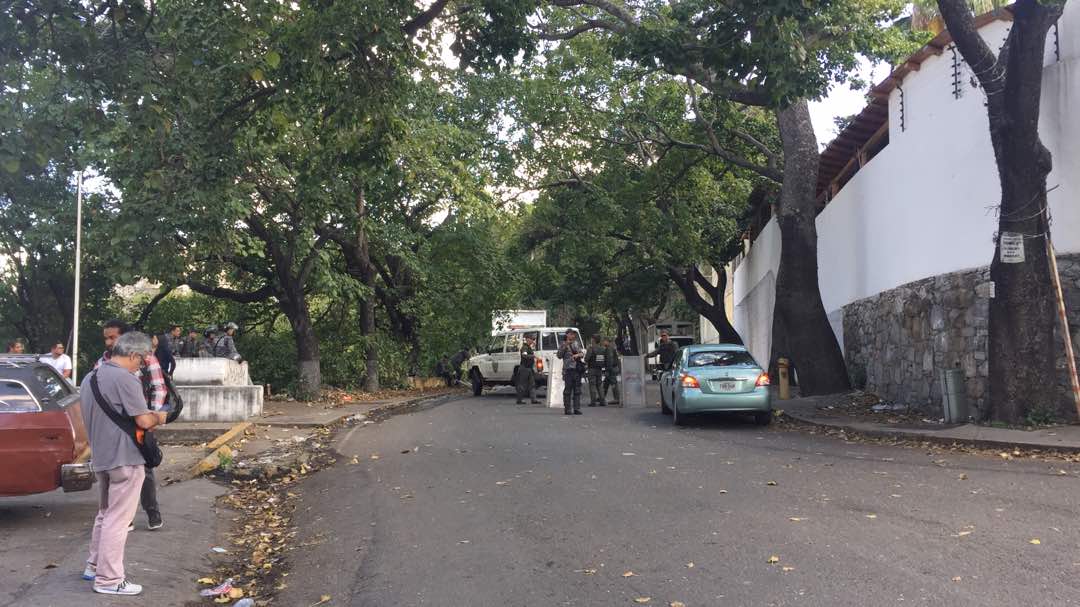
pixel 723 491
pixel 355 460
pixel 957 579
pixel 773 560
pixel 629 574
pixel 236 593
pixel 586 571
pixel 771 483
pixel 786 569
pixel 641 600
pixel 1035 541
pixel 676 604
pixel 796 519
pixel 206 580
pixel 962 477
pixel 690 565
pixel 871 516
pixel 322 600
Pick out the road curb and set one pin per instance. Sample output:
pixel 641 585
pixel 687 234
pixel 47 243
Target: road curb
pixel 929 438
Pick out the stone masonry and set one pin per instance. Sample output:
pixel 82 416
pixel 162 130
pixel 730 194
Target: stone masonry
pixel 897 342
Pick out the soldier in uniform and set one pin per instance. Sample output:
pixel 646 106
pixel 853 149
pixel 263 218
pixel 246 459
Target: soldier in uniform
pixel 190 346
pixel 224 346
pixel 206 346
pixel 573 357
pixel 596 364
pixel 667 351
pixel 611 373
pixel 526 372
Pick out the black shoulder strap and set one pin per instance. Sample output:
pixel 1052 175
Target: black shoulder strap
pixel 124 422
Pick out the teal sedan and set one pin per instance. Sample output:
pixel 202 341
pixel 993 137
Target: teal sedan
pixel 719 378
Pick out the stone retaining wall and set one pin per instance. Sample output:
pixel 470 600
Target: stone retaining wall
pixel 897 342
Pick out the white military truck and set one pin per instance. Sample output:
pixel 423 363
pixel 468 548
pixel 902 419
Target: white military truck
pixel 497 366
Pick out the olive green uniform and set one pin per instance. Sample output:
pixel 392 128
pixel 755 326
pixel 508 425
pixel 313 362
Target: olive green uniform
pixel 526 375
pixel 611 376
pixel 596 364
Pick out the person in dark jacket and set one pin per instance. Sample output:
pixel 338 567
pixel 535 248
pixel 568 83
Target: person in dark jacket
pixel 612 372
pixel 164 353
pixel 666 349
pixel 457 361
pixel 189 348
pixel 596 363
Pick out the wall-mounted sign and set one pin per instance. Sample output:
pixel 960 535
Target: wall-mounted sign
pixel 1012 247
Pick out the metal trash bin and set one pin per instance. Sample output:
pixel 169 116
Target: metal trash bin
pixel 954 396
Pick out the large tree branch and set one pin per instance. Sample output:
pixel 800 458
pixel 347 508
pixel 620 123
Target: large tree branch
pixel 961 23
pixel 419 22
pixel 258 295
pixel 149 307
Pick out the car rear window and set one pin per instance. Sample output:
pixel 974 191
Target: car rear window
pixel 14 398
pixel 721 358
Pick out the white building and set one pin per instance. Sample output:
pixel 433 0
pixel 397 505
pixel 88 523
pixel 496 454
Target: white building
pixel 905 234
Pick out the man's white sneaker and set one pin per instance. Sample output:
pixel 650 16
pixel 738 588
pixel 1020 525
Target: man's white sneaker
pixel 89 573
pixel 124 588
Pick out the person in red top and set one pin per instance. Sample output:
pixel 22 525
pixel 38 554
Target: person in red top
pixel 153 381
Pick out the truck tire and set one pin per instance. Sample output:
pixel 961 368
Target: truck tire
pixel 477 383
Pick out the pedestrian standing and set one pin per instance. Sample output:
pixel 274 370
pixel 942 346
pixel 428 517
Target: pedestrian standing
pixel 526 372
pixel 155 393
pixel 190 346
pixel 58 360
pixel 596 364
pixel 164 353
pixel 573 357
pixel 117 463
pixel 225 346
pixel 612 372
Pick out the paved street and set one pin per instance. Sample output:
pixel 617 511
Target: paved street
pixel 480 502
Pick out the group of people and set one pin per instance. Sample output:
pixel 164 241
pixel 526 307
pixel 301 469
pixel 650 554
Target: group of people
pixel 214 343
pixel 599 364
pixel 55 358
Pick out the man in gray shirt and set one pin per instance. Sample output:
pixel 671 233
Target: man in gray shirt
pixel 116 461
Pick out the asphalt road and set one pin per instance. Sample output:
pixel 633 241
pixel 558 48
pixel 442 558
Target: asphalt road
pixel 481 503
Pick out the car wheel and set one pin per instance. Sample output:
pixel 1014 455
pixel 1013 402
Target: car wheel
pixel 477 383
pixel 678 420
pixel 763 418
pixel 664 408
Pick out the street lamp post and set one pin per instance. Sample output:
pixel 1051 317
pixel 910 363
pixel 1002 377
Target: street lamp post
pixel 78 280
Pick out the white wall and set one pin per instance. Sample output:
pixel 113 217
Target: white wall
pixel 921 207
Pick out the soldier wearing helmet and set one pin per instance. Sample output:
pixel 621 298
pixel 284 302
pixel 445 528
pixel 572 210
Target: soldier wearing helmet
pixel 224 346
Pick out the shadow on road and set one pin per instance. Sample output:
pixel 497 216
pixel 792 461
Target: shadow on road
pixel 705 421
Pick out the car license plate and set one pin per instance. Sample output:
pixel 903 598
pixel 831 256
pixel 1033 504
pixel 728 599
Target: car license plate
pixel 725 386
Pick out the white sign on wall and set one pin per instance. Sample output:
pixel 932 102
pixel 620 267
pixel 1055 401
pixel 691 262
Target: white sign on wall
pixel 1012 247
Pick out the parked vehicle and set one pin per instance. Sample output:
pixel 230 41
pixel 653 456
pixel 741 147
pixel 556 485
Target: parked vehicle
pixel 43 441
pixel 498 364
pixel 715 378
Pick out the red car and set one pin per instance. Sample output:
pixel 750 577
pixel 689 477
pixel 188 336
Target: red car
pixel 43 442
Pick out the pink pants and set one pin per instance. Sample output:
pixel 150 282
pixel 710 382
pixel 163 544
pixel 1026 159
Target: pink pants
pixel 117 502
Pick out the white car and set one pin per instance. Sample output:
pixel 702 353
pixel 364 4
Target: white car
pixel 499 364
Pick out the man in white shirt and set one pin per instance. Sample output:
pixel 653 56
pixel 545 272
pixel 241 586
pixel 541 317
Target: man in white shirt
pixel 58 360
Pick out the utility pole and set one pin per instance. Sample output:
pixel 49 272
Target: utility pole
pixel 78 281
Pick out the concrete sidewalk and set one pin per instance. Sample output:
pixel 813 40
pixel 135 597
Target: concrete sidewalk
pixel 818 411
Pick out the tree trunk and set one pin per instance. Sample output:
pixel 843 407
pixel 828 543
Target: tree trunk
pixel 367 307
pixel 309 380
pixel 1022 365
pixel 713 307
pixel 799 313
